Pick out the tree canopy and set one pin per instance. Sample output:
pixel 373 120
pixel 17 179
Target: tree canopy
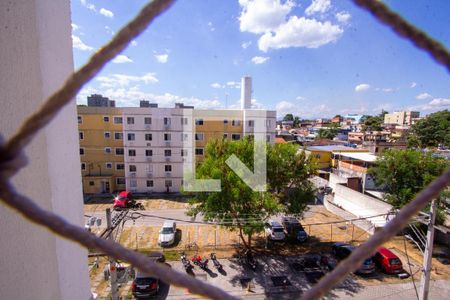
pixel 404 173
pixel 373 123
pixel 288 117
pixel 237 206
pixel 329 132
pixel 431 131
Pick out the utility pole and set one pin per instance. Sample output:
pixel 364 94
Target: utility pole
pixel 425 281
pixel 112 262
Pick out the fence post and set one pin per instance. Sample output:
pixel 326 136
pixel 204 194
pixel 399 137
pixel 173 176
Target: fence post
pixel 353 230
pixel 331 232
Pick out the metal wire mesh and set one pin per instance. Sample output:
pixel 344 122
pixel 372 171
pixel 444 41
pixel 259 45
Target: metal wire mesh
pixel 12 159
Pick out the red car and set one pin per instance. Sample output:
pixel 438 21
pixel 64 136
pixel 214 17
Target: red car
pixel 123 200
pixel 388 261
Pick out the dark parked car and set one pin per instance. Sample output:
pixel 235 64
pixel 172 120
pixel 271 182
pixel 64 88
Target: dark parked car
pixel 144 286
pixel 294 230
pixel 343 250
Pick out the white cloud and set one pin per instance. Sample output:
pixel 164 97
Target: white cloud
pixel 424 96
pixel 257 60
pixel 75 27
pixel 107 13
pixel 434 105
pixel 211 26
pixel 300 32
pixel 304 110
pixel 123 80
pixel 134 43
pixel 413 85
pixel 78 44
pixel 259 16
pixel 245 45
pixel 121 59
pixel 387 90
pixel 89 6
pixel 300 98
pixel 216 85
pixel 343 16
pixel 130 96
pixel 318 6
pixel 162 58
pixel 362 87
pixel 234 84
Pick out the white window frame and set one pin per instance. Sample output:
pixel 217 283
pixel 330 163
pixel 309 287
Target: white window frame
pixel 108 151
pixel 83 166
pixel 168 183
pixel 165 168
pixel 104 119
pixel 115 151
pixel 235 134
pixel 145 120
pixel 198 121
pixel 80 119
pixel 129 168
pixel 151 152
pixel 107 133
pixel 203 151
pixel 81 135
pixel 200 136
pixel 149 186
pixel 166 134
pixel 110 164
pixel 129 152
pixel 130 120
pixel 121 135
pixel 117 166
pixel 150 135
pixel 131 134
pixel 119 183
pixel 84 151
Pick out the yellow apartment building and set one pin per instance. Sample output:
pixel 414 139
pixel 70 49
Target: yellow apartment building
pixel 101 149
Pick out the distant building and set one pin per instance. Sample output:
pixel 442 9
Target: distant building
pixel 401 118
pixel 324 154
pixel 146 103
pixel 97 100
pixel 338 119
pixel 353 118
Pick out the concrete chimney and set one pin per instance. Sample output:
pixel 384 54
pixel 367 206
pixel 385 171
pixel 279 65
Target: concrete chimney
pixel 246 92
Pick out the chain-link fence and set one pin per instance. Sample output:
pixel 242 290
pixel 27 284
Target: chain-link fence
pixel 12 159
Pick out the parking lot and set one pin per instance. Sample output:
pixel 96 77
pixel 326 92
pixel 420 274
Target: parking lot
pixel 278 263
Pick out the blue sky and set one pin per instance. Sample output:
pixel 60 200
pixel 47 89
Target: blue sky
pixel 313 58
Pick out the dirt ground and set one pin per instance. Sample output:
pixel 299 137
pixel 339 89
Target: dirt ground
pixel 149 204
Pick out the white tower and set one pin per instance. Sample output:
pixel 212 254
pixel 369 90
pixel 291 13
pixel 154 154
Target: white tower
pixel 246 92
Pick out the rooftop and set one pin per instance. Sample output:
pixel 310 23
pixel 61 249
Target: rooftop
pixel 331 148
pixel 364 156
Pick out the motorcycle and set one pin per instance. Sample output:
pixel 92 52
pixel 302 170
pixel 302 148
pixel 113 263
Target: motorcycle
pixel 186 263
pixel 216 263
pixel 203 264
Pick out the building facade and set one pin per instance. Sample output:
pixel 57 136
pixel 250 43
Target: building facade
pixel 145 149
pixel 406 118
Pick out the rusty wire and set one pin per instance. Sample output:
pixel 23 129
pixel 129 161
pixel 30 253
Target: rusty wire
pixel 12 159
pixel 406 30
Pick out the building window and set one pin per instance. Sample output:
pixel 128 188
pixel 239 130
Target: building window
pixel 184 137
pixel 80 120
pixel 130 120
pixel 91 183
pixel 108 150
pixel 83 166
pixel 131 152
pixel 235 137
pixel 117 120
pixel 199 136
pixel 105 119
pixel 251 123
pixel 107 135
pixel 268 123
pixel 118 135
pixel 132 168
pixel 149 183
pixel 236 122
pixel 119 151
pixel 199 122
pixel 198 151
pixel 120 166
pixel 120 180
pixel 133 183
pixel 168 168
pixel 131 136
pixel 149 152
pixel 108 165
pixel 81 151
pixel 166 121
pixel 81 135
pixel 167 152
pixel 184 152
pixel 225 121
pixel 268 138
pixel 148 137
pixel 168 183
pixel 184 121
pixel 147 121
pixel 225 136
pixel 167 136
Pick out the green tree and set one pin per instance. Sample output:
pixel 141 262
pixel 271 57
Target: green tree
pixel 373 123
pixel 329 132
pixel 404 173
pixel 296 121
pixel 240 208
pixel 288 117
pixel 431 131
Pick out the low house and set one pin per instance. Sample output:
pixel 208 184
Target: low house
pixel 323 154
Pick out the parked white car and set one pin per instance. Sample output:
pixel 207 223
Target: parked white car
pixel 167 234
pixel 274 231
